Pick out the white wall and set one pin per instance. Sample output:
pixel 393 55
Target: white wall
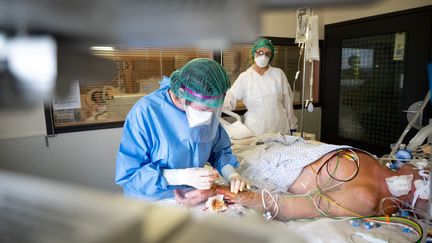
pixel 22 123
pixel 86 158
pixel 282 23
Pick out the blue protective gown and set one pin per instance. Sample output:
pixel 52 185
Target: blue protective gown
pixel 156 136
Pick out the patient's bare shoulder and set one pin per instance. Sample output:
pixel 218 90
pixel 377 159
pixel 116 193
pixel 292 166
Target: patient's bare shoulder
pixel 365 199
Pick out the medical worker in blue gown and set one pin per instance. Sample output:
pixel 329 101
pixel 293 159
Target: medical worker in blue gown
pixel 170 134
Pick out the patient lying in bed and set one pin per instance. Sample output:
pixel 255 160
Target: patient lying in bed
pixel 342 181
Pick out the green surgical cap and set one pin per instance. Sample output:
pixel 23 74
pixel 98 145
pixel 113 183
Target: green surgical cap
pixel 201 80
pixel 263 42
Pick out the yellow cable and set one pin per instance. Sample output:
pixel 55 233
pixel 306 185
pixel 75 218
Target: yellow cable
pixel 339 206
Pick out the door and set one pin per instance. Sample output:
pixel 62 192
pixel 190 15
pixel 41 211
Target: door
pixel 374 69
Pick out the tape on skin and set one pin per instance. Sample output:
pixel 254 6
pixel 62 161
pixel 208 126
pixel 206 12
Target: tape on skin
pixel 399 185
pixel 422 188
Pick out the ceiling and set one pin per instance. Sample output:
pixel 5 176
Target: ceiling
pixel 146 22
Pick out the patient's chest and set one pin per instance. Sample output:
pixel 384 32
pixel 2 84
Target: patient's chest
pixel 278 163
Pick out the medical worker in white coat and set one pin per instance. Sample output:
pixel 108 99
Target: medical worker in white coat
pixel 266 93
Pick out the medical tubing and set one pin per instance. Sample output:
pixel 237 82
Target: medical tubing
pixel 343 208
pixel 398 204
pixel 319 191
pixel 311 81
pixel 268 215
pixel 420 137
pixel 298 66
pixel 410 125
pixel 317 207
pixel 325 164
pixel 303 93
pixel 413 225
pixel 356 161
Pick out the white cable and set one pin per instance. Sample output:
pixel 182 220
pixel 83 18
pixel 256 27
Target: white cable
pixel 317 207
pixel 407 205
pixel 267 214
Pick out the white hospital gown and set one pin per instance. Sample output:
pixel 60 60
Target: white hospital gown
pixel 278 162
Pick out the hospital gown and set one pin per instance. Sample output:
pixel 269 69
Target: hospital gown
pixel 156 136
pixel 277 163
pixel 268 99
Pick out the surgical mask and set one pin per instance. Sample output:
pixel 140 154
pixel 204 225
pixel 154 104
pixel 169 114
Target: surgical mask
pixel 399 185
pixel 197 118
pixel 262 61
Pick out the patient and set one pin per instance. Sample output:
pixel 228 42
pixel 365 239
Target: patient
pixel 343 182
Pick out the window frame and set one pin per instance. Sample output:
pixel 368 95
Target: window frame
pixel 217 55
pixel 52 130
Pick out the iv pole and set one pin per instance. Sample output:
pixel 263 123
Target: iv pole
pixel 303 88
pixel 304 47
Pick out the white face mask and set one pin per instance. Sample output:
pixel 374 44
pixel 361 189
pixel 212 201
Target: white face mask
pixel 197 118
pixel 399 185
pixel 262 61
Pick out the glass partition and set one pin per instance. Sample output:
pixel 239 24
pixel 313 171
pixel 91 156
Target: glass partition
pixel 137 73
pixel 371 82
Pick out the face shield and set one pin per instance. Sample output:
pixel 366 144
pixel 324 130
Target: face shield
pixel 203 120
pixel 197 117
pixel 203 127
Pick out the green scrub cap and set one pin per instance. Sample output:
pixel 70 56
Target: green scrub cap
pixel 263 42
pixel 201 80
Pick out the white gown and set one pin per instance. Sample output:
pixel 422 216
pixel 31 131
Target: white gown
pixel 268 99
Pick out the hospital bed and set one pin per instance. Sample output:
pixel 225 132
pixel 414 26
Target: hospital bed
pixel 319 230
pixel 237 131
pixel 312 230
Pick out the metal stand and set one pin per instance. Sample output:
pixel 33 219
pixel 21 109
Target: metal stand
pixel 303 93
pixel 410 125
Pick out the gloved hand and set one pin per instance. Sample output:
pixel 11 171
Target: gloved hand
pixel 238 183
pixel 200 178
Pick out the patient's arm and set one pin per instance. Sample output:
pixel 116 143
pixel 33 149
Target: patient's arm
pixel 360 196
pixel 246 198
pixel 289 208
pixel 350 201
pixel 194 197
